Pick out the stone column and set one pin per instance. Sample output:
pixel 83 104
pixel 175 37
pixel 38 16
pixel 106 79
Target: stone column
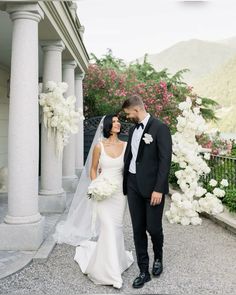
pixel 68 163
pixel 79 138
pixel 23 225
pixel 52 197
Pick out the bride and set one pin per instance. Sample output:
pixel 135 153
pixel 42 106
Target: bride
pixel 103 258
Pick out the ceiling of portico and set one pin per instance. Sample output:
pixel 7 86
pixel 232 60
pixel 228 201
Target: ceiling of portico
pixel 46 32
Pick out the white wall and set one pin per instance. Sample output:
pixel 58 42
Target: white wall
pixel 4 111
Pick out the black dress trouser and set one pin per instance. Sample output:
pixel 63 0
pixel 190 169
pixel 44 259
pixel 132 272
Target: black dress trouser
pixel 145 218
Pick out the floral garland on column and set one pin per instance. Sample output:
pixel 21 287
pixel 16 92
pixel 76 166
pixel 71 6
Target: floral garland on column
pixel 59 114
pixel 193 198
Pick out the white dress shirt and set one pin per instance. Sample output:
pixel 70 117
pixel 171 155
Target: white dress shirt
pixel 135 141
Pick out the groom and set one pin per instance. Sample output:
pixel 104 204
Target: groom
pixel 147 163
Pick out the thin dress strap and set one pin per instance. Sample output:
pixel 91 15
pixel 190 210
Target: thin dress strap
pixel 125 145
pixel 102 146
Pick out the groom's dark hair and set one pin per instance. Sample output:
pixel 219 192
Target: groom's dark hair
pixel 107 125
pixel 133 101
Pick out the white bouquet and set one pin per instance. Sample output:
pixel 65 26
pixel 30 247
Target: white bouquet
pixel 101 188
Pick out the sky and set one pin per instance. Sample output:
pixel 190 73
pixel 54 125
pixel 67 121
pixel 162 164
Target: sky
pixel 131 28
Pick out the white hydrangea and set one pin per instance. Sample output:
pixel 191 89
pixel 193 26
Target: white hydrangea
pixel 219 192
pixel 213 182
pixel 224 182
pixel 193 198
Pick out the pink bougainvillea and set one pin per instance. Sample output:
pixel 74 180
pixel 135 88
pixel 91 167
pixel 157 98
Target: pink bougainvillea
pixel 109 81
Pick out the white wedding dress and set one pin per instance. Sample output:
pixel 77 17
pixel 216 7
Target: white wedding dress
pixel 106 259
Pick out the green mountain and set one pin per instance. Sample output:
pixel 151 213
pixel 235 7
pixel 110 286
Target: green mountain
pixel 201 57
pixel 212 73
pixel 221 86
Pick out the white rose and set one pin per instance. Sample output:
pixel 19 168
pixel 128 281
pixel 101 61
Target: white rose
pixel 178 174
pixel 74 129
pixel 49 114
pixel 195 205
pixel 196 221
pixel 176 197
pixel 207 156
pixel 187 204
pixel 63 86
pixel 196 111
pixel 173 209
pixel 71 100
pixel 50 85
pixel 199 101
pixel 200 191
pixel 182 164
pixel 218 208
pixel 176 219
pixel 207 170
pixel 208 195
pixel 167 214
pixel 185 221
pixel 147 138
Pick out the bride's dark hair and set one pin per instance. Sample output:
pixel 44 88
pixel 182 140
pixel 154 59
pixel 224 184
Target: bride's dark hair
pixel 107 125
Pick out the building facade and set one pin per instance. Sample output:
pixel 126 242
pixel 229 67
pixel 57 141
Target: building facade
pixel 40 41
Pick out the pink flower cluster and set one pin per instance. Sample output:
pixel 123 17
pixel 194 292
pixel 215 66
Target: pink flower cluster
pixel 216 144
pixel 109 87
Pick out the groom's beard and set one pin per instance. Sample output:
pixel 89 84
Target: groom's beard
pixel 134 120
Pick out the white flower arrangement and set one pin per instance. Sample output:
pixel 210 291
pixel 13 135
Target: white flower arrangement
pixel 101 188
pixel 147 138
pixel 59 114
pixel 193 199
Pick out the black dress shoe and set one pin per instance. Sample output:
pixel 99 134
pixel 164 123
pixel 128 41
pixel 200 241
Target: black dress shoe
pixel 157 267
pixel 143 278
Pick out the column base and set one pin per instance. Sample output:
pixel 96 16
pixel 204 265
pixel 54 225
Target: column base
pixel 28 236
pixel 69 183
pixel 22 219
pixel 49 203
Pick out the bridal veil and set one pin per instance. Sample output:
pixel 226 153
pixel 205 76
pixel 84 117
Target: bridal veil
pixel 81 223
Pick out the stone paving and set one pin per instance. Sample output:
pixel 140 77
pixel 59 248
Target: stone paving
pixel 197 260
pixel 12 261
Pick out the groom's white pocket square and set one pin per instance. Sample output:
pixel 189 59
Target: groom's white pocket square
pixel 147 138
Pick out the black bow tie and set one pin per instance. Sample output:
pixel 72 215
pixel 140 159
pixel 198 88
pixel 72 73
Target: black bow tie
pixel 137 125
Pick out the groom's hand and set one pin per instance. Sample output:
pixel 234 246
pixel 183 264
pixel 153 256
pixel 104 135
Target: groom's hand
pixel 156 198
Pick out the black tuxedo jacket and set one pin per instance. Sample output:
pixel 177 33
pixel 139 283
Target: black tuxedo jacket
pixel 153 160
